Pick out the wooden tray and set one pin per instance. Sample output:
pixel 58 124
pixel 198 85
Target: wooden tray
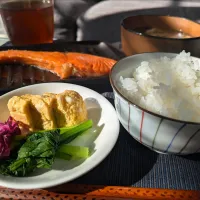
pixel 93 192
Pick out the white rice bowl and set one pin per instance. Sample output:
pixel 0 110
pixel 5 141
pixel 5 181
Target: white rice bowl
pixel 169 87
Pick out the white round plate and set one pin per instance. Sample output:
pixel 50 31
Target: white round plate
pixel 103 114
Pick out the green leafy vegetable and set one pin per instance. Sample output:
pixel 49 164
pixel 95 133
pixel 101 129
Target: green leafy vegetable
pixel 40 149
pixel 63 156
pixel 70 133
pixel 37 152
pixel 73 151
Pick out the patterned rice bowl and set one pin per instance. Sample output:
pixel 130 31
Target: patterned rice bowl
pixel 159 133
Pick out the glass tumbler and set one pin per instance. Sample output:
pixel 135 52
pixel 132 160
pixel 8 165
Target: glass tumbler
pixel 28 21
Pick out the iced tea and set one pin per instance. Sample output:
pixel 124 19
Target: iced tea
pixel 28 21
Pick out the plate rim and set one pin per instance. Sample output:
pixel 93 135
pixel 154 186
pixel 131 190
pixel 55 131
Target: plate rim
pixel 53 183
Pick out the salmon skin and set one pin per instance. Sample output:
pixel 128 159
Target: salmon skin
pixel 62 64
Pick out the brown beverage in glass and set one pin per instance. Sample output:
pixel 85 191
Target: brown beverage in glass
pixel 28 21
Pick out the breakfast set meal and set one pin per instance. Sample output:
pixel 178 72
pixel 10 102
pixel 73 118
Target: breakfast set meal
pixel 156 101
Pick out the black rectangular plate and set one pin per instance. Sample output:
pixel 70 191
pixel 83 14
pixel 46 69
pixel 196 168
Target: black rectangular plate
pixel 17 75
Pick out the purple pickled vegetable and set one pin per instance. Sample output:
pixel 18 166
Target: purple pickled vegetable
pixel 7 131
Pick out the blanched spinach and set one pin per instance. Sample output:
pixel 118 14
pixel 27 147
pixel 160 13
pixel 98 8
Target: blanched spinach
pixel 40 148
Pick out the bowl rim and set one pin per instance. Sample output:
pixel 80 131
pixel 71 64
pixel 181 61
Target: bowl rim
pixel 157 37
pixel 139 107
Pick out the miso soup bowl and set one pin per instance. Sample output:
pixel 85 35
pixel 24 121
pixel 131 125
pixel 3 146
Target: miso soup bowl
pixel 134 41
pixel 159 133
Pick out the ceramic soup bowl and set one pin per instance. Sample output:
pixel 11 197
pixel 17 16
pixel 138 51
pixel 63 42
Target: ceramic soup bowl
pixel 154 33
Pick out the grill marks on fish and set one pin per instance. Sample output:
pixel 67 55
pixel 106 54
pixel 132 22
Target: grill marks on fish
pixel 52 61
pixel 62 64
pixel 90 65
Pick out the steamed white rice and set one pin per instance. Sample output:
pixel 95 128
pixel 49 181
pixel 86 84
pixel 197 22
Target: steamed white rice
pixel 170 87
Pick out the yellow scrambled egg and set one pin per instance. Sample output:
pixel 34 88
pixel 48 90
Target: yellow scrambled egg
pixel 48 111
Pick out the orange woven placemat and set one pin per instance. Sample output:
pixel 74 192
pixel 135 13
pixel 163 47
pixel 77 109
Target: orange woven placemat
pixel 93 192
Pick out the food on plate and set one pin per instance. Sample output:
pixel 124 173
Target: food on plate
pixel 53 121
pixel 63 64
pixel 39 150
pixel 32 111
pixel 49 110
pixel 68 107
pixel 166 86
pixel 8 130
pixel 19 109
pixel 41 113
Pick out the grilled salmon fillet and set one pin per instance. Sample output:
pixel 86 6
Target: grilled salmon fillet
pixel 62 64
pixel 86 65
